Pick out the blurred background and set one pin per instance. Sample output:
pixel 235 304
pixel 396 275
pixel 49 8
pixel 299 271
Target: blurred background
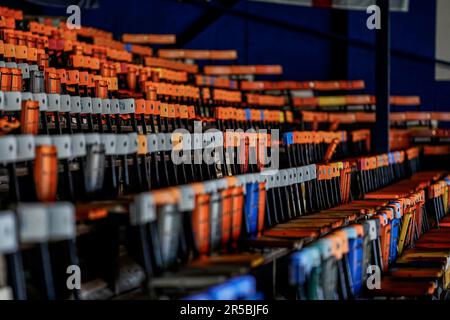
pixel 310 41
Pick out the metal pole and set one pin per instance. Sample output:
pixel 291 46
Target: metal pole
pixel 383 84
pixel 339 49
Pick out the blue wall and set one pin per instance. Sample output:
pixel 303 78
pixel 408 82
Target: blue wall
pixel 304 57
pixel 411 32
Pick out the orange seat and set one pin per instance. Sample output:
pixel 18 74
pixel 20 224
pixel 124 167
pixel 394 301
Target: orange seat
pixel 391 287
pixel 417 273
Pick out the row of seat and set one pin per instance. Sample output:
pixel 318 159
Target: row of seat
pixel 130 162
pixel 37 246
pixel 369 117
pixel 168 226
pixel 284 197
pixel 93 121
pixel 422 269
pixel 383 226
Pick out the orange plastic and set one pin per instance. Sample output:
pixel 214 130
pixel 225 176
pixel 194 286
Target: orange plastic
pixel 46 173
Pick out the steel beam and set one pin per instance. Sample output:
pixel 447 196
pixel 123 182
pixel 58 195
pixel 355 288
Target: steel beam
pixel 382 77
